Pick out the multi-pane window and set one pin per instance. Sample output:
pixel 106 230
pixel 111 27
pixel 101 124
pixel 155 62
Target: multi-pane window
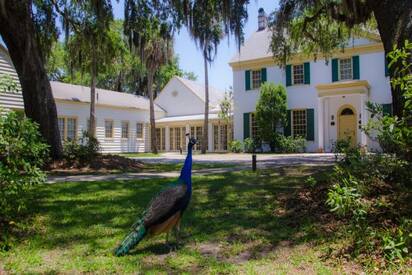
pixel 220 137
pixel 139 130
pixel 345 69
pixel 172 143
pixel 253 126
pixel 183 138
pixel 160 138
pixel 67 128
pixel 197 133
pixel 299 123
pixel 125 129
pixel 256 79
pixel 298 74
pixel 175 139
pixel 108 128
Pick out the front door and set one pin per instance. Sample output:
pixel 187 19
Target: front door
pixel 347 125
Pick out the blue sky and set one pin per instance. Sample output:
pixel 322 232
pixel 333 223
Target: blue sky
pixel 190 58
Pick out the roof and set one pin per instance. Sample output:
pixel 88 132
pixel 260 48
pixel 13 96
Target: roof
pixel 215 95
pixel 77 93
pixel 186 118
pixel 257 46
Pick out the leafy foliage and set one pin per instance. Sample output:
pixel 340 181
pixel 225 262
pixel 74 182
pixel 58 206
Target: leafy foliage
pixel 83 150
pixel 289 144
pixel 22 155
pixel 270 112
pixel 249 145
pixel 7 84
pixel 235 146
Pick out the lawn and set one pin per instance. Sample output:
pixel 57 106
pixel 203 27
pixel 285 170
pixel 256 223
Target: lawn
pixel 238 222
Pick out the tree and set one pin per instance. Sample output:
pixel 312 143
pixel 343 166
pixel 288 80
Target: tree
pixel 225 111
pixel 150 38
pixel 207 31
pixel 28 33
pixel 270 112
pixel 320 27
pixel 90 45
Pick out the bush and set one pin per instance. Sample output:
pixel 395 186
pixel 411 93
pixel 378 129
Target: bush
pixel 289 144
pixel 82 150
pixel 249 145
pixel 22 155
pixel 235 146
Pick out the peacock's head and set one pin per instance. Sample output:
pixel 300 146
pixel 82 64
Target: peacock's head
pixel 192 141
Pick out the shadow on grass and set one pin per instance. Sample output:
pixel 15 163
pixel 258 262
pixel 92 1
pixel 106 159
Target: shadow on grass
pixel 234 207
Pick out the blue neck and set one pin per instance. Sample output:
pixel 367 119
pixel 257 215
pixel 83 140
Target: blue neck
pixel 186 173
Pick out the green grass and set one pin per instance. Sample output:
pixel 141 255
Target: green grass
pixel 234 224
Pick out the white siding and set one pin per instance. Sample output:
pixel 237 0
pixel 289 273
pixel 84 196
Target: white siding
pixel 9 100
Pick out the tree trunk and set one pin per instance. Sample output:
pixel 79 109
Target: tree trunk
pixel 152 113
pixel 206 121
pixel 394 20
pixel 18 32
pixel 92 124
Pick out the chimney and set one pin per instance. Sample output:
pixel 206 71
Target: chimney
pixel 262 20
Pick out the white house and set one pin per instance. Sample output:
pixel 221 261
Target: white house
pixel 326 100
pixel 122 120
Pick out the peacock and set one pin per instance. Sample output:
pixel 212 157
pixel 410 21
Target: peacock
pixel 165 211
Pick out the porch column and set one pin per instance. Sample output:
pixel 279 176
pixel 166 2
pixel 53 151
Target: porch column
pixel 321 146
pixel 210 137
pixel 364 119
pixel 167 139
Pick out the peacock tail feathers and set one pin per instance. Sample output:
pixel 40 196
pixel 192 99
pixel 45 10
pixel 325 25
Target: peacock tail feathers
pixel 132 239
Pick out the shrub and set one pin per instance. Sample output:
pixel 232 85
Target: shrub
pixel 22 155
pixel 249 145
pixel 82 150
pixel 289 144
pixel 235 146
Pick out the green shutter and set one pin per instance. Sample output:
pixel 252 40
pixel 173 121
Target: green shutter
pixel 386 67
pixel 247 80
pixel 335 71
pixel 246 125
pixel 310 124
pixel 355 64
pixel 287 130
pixel 288 75
pixel 306 70
pixel 387 109
pixel 263 75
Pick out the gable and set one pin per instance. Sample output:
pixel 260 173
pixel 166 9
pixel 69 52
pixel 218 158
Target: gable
pixel 177 99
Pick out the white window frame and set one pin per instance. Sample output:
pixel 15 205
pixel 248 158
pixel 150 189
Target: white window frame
pixel 253 126
pixel 293 74
pixel 252 83
pixel 125 122
pixel 65 128
pixel 142 133
pixel 305 124
pixel 112 132
pixel 339 68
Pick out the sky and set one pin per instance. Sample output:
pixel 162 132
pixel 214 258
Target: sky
pixel 190 58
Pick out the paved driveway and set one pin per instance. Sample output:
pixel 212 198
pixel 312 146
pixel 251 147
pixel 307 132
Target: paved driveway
pixel 266 160
pixel 242 161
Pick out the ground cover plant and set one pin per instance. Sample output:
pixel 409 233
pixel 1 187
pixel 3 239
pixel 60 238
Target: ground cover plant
pixel 272 221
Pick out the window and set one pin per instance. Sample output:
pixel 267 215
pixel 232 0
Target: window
pixel 139 130
pixel 345 69
pixel 253 126
pixel 160 138
pixel 108 128
pixel 256 79
pixel 125 129
pixel 298 74
pixel 172 139
pixel 67 128
pixel 197 133
pixel 299 123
